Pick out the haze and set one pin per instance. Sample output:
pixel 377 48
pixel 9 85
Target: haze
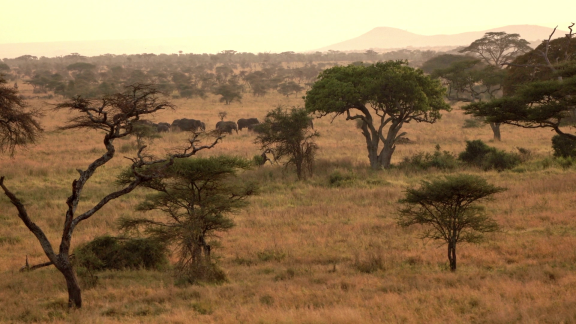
pixel 258 25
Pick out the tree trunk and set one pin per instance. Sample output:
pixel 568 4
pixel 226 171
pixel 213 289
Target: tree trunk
pixel 496 130
pixel 452 256
pixel 74 292
pixel 385 157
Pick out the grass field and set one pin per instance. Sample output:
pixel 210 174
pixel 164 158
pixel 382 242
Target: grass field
pixel 310 251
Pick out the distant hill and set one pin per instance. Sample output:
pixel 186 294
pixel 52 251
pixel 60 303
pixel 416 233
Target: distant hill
pixel 388 37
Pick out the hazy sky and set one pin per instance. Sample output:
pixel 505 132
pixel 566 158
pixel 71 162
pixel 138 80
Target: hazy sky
pixel 263 25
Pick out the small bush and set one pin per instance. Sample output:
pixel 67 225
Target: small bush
pixel 479 154
pixel 500 160
pixel 337 179
pixel 112 253
pixel 442 160
pixel 475 152
pixel 563 146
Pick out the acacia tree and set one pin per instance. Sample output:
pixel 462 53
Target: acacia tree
pixel 288 133
pixel 383 96
pixel 115 116
pixel 197 196
pixel 18 124
pixel 542 98
pixel 229 92
pixel 496 49
pixel 449 211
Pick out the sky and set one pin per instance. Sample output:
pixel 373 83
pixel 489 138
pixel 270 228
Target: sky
pixel 262 25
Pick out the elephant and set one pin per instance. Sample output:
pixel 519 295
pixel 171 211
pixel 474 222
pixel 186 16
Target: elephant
pixel 245 123
pixel 226 126
pixel 252 127
pixel 186 124
pixel 162 127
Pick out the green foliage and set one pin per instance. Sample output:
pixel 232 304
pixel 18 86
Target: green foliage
pixel 229 92
pixel 197 196
pixel 442 62
pixel 563 146
pixel 338 179
pixel 382 94
pixel 442 160
pixel 287 134
pixel 447 208
pixel 112 253
pixel 18 124
pixel 479 154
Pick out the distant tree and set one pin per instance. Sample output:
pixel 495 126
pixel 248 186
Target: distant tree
pixel 228 93
pixel 115 116
pixel 18 124
pixel 197 197
pixel 382 95
pixel 288 133
pixel 545 101
pixel 289 87
pixel 496 49
pixel 222 115
pixel 4 67
pixel 442 62
pixel 448 210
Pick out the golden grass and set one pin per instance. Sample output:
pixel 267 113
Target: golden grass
pixel 306 252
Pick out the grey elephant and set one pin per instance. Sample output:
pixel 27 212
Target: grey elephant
pixel 246 122
pixel 186 124
pixel 226 127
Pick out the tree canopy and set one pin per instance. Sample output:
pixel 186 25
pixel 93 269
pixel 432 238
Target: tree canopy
pixel 541 96
pixel 448 208
pixel 383 96
pixel 18 124
pixel 288 133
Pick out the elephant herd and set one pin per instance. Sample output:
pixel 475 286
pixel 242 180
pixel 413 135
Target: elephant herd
pixel 193 125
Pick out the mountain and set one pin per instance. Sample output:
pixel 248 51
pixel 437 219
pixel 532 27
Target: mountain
pixel 388 38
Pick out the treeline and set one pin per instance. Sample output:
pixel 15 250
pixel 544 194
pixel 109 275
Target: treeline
pixel 188 75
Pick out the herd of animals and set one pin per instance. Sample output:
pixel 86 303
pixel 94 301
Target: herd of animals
pixel 194 125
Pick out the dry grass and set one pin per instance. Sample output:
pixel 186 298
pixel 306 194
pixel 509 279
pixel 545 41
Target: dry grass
pixel 307 252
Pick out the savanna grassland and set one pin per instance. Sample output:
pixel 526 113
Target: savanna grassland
pixel 315 251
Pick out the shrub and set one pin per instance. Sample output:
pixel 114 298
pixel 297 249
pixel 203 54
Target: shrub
pixel 337 179
pixel 475 152
pixel 563 146
pixel 442 160
pixel 112 253
pixel 479 154
pixel 500 160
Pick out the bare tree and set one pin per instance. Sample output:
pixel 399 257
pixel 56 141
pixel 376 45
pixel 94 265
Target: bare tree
pixel 18 124
pixel 115 116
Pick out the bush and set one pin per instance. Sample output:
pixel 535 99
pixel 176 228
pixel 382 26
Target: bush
pixel 479 154
pixel 563 146
pixel 337 179
pixel 500 160
pixel 112 253
pixel 442 160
